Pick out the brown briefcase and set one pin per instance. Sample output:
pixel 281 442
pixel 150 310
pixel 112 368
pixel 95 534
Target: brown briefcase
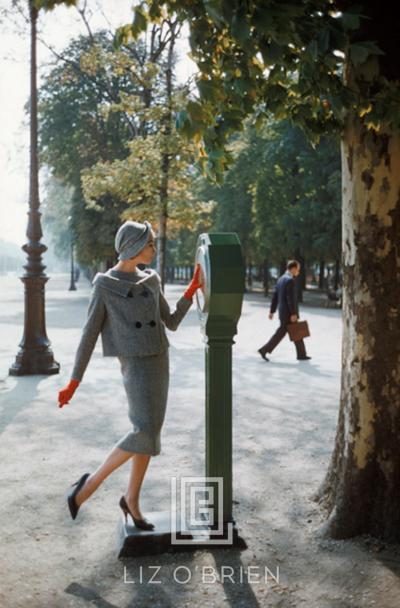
pixel 298 330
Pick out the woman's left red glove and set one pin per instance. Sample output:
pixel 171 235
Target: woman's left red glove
pixel 194 284
pixel 67 392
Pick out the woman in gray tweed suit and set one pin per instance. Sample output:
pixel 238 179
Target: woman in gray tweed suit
pixel 130 311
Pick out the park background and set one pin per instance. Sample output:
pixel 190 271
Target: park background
pixel 275 218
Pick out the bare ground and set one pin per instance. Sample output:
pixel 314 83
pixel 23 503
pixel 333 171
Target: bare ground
pixel 284 413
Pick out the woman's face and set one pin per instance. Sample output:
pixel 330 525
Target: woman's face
pixel 148 250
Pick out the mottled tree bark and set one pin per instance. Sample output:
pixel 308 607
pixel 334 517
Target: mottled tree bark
pixel 361 490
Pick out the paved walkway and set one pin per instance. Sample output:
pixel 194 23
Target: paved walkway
pixel 284 414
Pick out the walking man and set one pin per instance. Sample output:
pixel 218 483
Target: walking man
pixel 285 299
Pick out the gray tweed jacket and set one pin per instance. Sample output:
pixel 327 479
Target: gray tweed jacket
pixel 130 316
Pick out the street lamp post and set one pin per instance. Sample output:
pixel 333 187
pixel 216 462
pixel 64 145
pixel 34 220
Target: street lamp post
pixel 35 355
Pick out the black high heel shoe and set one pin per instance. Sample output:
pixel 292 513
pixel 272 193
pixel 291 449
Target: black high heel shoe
pixel 144 524
pixel 73 507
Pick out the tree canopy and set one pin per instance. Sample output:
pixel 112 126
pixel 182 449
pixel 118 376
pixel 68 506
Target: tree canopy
pixel 311 61
pixel 74 134
pixel 291 59
pixel 281 195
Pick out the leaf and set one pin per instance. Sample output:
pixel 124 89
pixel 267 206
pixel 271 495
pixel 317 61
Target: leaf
pixel 312 49
pixel 323 41
pixel 209 89
pixel 351 21
pixel 351 17
pixel 49 5
pixel 213 9
pixel 139 22
pixel 242 85
pixel 272 53
pixel 196 111
pixel 181 119
pixel 122 35
pixel 240 27
pixel 155 13
pixel 365 111
pixel 360 51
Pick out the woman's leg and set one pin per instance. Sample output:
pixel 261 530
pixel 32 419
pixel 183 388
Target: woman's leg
pixel 140 463
pixel 115 458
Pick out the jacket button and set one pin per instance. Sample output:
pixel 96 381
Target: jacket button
pixel 138 324
pixel 152 323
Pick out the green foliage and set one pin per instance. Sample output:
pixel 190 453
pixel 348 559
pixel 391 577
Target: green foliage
pixel 285 58
pixel 281 195
pixel 139 177
pixel 76 131
pixel 49 5
pixel 297 198
pixel 73 131
pixel 106 127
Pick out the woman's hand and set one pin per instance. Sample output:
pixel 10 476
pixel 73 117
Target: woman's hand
pixel 67 392
pixel 194 284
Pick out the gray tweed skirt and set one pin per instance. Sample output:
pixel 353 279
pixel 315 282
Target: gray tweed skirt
pixel 146 381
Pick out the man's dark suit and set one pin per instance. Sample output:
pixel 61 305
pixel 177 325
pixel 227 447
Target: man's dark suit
pixel 285 299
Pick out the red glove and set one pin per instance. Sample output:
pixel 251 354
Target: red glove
pixel 194 284
pixel 67 392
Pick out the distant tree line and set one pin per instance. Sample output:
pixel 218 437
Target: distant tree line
pixel 99 139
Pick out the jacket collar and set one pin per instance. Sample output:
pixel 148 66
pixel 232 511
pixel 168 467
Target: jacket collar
pixel 122 286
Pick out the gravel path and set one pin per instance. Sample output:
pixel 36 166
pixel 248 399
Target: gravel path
pixel 285 414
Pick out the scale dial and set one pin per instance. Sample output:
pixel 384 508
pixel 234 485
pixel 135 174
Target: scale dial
pixel 203 293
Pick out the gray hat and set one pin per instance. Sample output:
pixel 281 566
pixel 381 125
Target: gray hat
pixel 131 237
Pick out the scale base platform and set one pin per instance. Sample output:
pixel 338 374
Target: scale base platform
pixel 134 542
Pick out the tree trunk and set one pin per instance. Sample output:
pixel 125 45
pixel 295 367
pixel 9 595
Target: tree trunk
pixel 301 279
pixel 265 275
pixel 162 237
pixel 321 274
pixel 303 275
pixel 245 278
pixel 250 276
pixel 336 279
pixel 361 491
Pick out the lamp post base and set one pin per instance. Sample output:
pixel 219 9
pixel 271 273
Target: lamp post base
pixel 33 361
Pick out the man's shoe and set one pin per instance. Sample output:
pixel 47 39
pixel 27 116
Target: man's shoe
pixel 262 354
pixel 303 358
